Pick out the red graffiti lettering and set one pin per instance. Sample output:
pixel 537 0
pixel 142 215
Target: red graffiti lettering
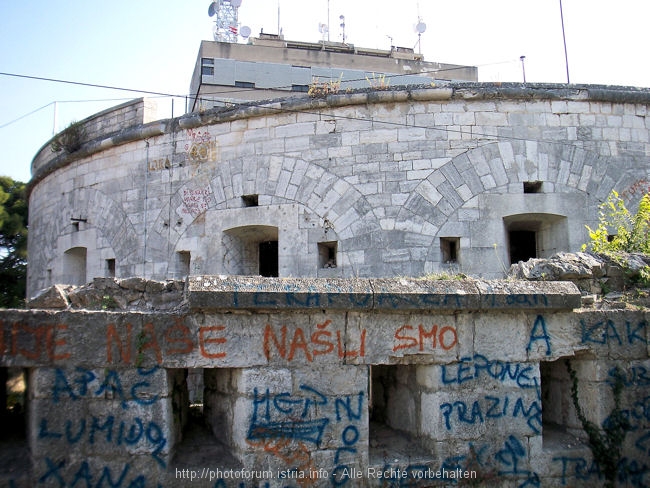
pixel 436 337
pixel 205 339
pixel 320 342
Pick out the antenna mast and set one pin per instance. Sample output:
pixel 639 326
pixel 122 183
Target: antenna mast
pixel 226 26
pixel 420 28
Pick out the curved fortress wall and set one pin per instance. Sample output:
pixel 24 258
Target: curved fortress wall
pixel 459 177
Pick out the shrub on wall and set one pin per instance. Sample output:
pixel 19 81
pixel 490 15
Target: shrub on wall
pixel 70 139
pixel 631 232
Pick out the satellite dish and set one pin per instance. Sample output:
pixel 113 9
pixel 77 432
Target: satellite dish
pixel 212 9
pixel 420 27
pixel 235 3
pixel 322 28
pixel 245 32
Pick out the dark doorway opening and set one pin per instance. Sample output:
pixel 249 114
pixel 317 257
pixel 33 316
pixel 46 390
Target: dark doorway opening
pixel 523 245
pixel 269 258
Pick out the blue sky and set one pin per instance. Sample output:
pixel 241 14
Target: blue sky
pixel 152 45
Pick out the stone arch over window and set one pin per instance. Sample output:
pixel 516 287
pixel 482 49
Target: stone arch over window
pixel 492 168
pixel 276 180
pixel 101 213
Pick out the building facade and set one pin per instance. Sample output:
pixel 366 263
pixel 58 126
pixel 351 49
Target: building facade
pixel 270 66
pixel 372 183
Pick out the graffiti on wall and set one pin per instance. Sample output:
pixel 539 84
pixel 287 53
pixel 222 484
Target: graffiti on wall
pixel 196 200
pixel 201 146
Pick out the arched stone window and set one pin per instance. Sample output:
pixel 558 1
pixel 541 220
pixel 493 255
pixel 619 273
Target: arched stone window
pixel 251 250
pixel 74 266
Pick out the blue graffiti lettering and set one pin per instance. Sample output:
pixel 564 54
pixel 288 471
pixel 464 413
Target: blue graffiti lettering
pixel 536 335
pixel 77 385
pixel 84 475
pixel 110 431
pixel 274 416
pixel 492 407
pixel 475 367
pixel 606 332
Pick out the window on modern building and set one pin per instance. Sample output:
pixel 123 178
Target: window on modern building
pixel 74 266
pixel 532 187
pixel 250 200
pixel 207 66
pixel 327 254
pixel 110 268
pixel 449 249
pixel 244 84
pixel 300 88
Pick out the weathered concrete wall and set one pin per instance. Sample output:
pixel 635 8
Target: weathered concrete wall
pixel 385 175
pixel 328 378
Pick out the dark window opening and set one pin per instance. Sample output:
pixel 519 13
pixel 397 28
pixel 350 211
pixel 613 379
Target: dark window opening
pixel 535 235
pixel 110 268
pixel 327 254
pixel 532 187
pixel 244 84
pixel 268 252
pixel 300 88
pixel 183 263
pixel 449 247
pixel 75 226
pixel 14 449
pixel 560 427
pixel 250 200
pixel 394 422
pixel 523 245
pixel 203 405
pixel 13 407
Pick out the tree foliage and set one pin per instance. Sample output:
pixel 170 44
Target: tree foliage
pixel 618 229
pixel 13 242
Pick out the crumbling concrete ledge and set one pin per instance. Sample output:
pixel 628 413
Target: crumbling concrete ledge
pixel 403 294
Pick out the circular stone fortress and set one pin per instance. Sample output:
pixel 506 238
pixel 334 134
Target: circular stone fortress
pixel 406 181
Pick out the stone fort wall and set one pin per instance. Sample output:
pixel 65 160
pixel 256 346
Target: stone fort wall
pixel 373 183
pixel 312 382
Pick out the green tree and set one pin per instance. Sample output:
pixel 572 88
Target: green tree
pixel 620 230
pixel 13 242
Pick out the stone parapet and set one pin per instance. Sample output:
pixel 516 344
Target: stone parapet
pixel 337 382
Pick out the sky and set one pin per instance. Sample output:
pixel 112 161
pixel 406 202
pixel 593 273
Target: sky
pixel 152 46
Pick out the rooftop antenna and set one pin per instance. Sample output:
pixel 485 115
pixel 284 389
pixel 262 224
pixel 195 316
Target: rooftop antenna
pixel 420 28
pixel 328 20
pixel 226 25
pixel 342 25
pixel 324 31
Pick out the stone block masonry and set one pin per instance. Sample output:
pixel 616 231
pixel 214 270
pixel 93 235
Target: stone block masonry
pixel 250 381
pixel 388 178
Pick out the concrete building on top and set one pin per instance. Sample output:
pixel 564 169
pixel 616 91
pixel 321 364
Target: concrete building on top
pixel 270 67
